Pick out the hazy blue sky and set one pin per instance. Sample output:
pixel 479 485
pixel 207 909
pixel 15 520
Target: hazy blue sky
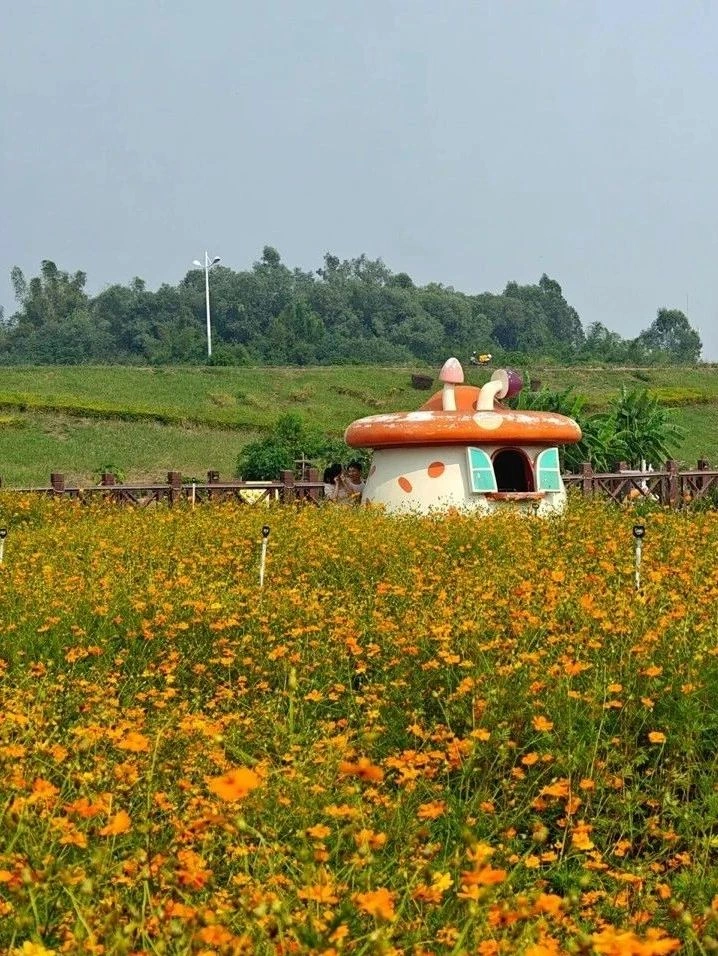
pixel 469 143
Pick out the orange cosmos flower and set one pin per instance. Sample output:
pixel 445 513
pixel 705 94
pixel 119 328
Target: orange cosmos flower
pixel 43 791
pixel 430 811
pixel 542 724
pixel 656 737
pixel 215 935
pixel 377 903
pixel 235 784
pixel 117 824
pixel 370 839
pixel 485 876
pixel 363 768
pixel 580 838
pixel 135 743
pixel 192 870
pixel 319 831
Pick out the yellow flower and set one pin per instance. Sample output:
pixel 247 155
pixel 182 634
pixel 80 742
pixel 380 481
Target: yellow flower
pixel 29 948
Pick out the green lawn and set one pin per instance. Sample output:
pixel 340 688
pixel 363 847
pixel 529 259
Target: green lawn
pixel 144 422
pixel 33 444
pixel 700 425
pixel 230 397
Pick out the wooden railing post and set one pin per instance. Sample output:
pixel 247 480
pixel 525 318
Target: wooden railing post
pixel 702 465
pixel 586 479
pixel 673 490
pixel 212 479
pixel 287 479
pixel 57 482
pixel 174 480
pixel 314 476
pixel 108 478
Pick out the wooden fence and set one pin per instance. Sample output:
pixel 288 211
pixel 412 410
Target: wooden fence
pixel 175 489
pixel 669 486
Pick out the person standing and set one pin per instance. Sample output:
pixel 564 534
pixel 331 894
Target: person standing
pixel 353 481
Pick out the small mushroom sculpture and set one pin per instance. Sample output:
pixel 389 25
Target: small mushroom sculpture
pixel 504 383
pixel 451 374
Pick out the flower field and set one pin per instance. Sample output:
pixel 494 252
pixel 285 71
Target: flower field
pixel 424 736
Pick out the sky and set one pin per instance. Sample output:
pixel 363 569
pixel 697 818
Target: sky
pixel 468 143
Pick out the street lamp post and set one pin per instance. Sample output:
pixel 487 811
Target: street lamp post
pixel 208 263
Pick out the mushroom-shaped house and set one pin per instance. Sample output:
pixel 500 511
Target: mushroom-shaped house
pixel 464 450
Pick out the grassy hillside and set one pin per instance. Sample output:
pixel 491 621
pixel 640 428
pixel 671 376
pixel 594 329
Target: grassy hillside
pixel 145 422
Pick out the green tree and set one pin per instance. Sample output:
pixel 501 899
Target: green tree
pixel 671 336
pixel 49 298
pixel 603 345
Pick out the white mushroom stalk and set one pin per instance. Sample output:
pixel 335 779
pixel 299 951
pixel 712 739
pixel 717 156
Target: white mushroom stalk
pixel 451 374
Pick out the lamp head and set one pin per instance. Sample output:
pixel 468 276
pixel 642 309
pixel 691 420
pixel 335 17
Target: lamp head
pixel 196 262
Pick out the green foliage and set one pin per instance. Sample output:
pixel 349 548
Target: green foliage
pixel 109 469
pixel 671 338
pixel 290 440
pixel 636 427
pixel 643 426
pixel 353 311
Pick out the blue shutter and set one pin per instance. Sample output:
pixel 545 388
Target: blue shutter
pixel 481 471
pixel 548 471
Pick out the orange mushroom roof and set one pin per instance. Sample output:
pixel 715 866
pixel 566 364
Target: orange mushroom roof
pixel 431 425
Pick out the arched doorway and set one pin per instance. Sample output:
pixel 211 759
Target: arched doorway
pixel 513 471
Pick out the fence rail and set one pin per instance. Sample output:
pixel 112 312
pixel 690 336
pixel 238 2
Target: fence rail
pixel 175 489
pixel 669 486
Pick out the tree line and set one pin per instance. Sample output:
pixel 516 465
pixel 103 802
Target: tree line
pixel 352 311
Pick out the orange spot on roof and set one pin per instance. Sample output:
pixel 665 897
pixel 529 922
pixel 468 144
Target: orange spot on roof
pixel 404 484
pixel 465 396
pixel 436 468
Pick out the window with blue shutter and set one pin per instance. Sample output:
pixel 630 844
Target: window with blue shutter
pixel 481 471
pixel 548 471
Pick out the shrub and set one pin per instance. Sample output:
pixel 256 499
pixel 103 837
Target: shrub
pixel 636 427
pixel 289 440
